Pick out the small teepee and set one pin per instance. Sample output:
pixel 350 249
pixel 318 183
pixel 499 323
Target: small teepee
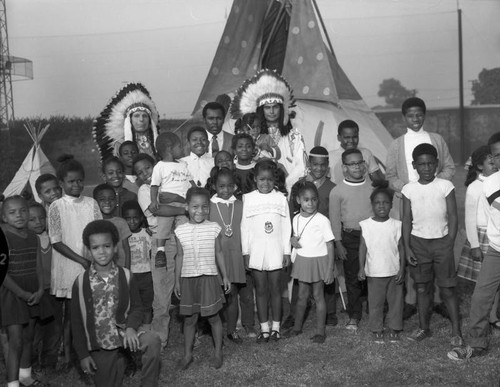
pixel 34 164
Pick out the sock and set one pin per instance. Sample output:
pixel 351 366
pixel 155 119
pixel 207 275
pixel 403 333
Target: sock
pixel 24 373
pixel 276 326
pixel 161 248
pixel 15 383
pixel 264 327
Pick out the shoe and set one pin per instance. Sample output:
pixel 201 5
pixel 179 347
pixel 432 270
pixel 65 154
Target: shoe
pixel 35 383
pixel 442 310
pixel 318 339
pixel 288 323
pixel 291 333
pixel 275 336
pixel 235 337
pixel 263 337
pixel 420 334
pixel 378 337
pixel 393 337
pixel 464 353
pixel 408 311
pixel 457 341
pixel 160 259
pixel 216 362
pixel 495 324
pixel 250 331
pixel 184 364
pixel 331 319
pixel 352 324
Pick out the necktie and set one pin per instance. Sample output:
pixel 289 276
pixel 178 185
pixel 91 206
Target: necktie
pixel 215 146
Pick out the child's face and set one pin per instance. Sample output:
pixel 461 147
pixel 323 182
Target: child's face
pixel 349 138
pixel 113 175
pixel 224 187
pixel 381 205
pixel 414 118
pixel 272 113
pixel 102 250
pixel 50 191
pixel 198 142
pixel 354 167
pixel 265 181
pixel 144 169
pixel 134 219
pixel 177 152
pixel 488 166
pixel 106 199
pixel 308 201
pixel 224 160
pixel 198 208
pixel 72 184
pixel 318 167
pixel 495 153
pixel 15 214
pixel 127 155
pixel 244 149
pixel 426 166
pixel 37 220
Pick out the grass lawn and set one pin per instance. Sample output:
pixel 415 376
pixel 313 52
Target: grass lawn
pixel 345 359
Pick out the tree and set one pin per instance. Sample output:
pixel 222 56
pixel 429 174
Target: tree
pixel 394 92
pixel 486 88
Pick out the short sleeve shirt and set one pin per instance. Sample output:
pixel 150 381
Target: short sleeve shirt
pixel 314 233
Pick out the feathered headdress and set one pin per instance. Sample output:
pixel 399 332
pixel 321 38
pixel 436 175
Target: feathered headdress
pixel 265 87
pixel 113 124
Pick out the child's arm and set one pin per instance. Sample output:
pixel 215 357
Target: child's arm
pixel 451 210
pixel 329 271
pixel 400 277
pixel 11 285
pixel 245 237
pixel 35 297
pixel 168 197
pixel 335 220
pixel 219 256
pixel 126 250
pixel 178 268
pixel 407 227
pixel 286 232
pixel 472 199
pixel 134 318
pixel 362 259
pixel 70 254
pixel 154 198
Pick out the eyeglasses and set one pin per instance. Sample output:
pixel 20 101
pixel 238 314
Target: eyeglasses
pixel 355 164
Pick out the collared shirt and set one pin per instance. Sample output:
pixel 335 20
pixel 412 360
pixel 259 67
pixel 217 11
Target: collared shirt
pixel 412 139
pixel 105 301
pixel 199 167
pixel 220 140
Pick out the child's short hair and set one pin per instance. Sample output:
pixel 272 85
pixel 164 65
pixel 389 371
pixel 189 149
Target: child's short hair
pixel 318 151
pixel 494 139
pixel 351 151
pixel 125 143
pixel 213 106
pixel 381 190
pixel 100 227
pixel 221 153
pixel 195 129
pixel 197 191
pixel 11 199
pixel 143 156
pixel 38 205
pixel 241 136
pixel 132 205
pixel 347 124
pixel 166 140
pixel 413 102
pixel 217 172
pixel 43 179
pixel 112 159
pixel 424 149
pixel 100 188
pixel 68 164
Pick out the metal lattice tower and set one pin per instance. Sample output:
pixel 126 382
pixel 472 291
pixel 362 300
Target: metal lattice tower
pixel 6 100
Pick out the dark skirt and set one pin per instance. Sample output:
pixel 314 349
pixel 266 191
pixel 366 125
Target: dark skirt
pixel 16 311
pixel 310 269
pixel 202 294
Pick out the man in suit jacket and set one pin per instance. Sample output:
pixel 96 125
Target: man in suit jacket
pixel 213 115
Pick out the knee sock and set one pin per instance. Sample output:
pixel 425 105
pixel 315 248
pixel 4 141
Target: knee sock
pixel 276 326
pixel 25 375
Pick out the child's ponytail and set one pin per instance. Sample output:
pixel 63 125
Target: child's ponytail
pixel 477 158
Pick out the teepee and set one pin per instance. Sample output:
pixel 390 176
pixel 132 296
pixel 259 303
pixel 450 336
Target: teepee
pixel 34 164
pixel 289 36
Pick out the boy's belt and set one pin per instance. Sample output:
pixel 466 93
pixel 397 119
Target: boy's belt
pixel 351 230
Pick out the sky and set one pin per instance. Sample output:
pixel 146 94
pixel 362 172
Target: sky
pixel 83 51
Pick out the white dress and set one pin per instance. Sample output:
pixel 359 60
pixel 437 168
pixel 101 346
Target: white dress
pixel 265 229
pixel 68 216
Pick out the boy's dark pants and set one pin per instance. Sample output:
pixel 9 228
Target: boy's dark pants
pixel 351 240
pixel 48 336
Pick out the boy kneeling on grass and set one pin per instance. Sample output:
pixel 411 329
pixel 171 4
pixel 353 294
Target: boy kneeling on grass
pixel 106 313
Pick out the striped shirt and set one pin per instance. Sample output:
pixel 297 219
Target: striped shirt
pixel 198 245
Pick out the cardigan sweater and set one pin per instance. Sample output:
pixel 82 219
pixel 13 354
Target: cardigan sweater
pixel 128 314
pixel 397 172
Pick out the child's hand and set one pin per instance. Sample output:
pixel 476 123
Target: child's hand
pixel 227 285
pixel 476 254
pixel 400 277
pixel 154 206
pixel 26 296
pixel 177 290
pixel 340 251
pixel 88 365
pixel 35 298
pixel 246 260
pixel 329 277
pixel 131 339
pixel 410 258
pixel 151 209
pixel 295 242
pixel 286 260
pixel 361 274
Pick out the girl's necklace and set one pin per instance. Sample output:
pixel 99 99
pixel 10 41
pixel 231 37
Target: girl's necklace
pixel 298 218
pixel 228 229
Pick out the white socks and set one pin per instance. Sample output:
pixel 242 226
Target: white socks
pixel 15 383
pixel 264 327
pixel 276 326
pixel 161 248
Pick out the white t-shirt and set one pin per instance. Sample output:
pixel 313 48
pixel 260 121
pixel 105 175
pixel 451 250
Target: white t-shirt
pixel 491 189
pixel 314 232
pixel 476 211
pixel 382 254
pixel 199 167
pixel 172 177
pixel 140 250
pixel 411 140
pixel 428 207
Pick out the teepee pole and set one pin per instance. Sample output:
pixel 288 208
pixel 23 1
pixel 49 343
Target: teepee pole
pixel 323 26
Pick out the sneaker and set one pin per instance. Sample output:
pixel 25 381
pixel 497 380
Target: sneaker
pixel 318 339
pixel 393 337
pixel 235 337
pixel 288 323
pixel 275 336
pixel 378 337
pixel 420 334
pixel 464 353
pixel 331 319
pixel 263 337
pixel 352 324
pixel 250 331
pixel 160 259
pixel 457 341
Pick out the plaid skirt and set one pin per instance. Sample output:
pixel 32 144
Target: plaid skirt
pixel 467 267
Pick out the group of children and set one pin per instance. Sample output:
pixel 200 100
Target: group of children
pixel 104 266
